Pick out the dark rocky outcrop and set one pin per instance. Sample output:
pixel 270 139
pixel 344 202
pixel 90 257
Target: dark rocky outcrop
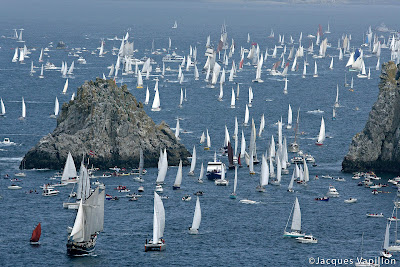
pixel 377 147
pixel 109 121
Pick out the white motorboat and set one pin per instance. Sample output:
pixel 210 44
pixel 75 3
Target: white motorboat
pixel 350 200
pixel 307 239
pixel 141 189
pixel 248 201
pixel 332 192
pixel 49 191
pixel 186 198
pixel 375 215
pixel 159 188
pixel 14 187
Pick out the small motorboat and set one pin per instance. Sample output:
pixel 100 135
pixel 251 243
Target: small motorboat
pixel 159 188
pixel 109 197
pixel 350 200
pixel 221 182
pixel 322 198
pixel 164 197
pixel 248 201
pixel 385 254
pixel 186 198
pixel 375 215
pixel 138 179
pixel 327 177
pixel 133 198
pixel 332 192
pixel 307 239
pixel 120 187
pixel 198 193
pixel 126 190
pixel 340 179
pixel 15 180
pixel 14 187
pixel 49 191
pixel 140 189
pixel 20 174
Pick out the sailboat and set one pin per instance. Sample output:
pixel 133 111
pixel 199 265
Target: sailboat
pixel 222 181
pixel 294 147
pixel 146 101
pixel 41 76
pixel 69 174
pixel 36 235
pixel 157 243
pixel 193 163
pixel 65 87
pixel 304 70
pixel 15 57
pixel 162 167
pixel 285 91
pixel 208 142
pixel 56 109
pixel 156 101
pixel 363 73
pixel 315 69
pixel 336 105
pixel 233 99
pixel 396 246
pixel 139 80
pixel 89 222
pixel 246 116
pixel 264 177
pixel 175 25
pixel 194 230
pixel 321 136
pixel 289 124
pixel 295 229
pixel 3 108
pixel 23 114
pixel 177 129
pixel 385 253
pixel 178 178
pixel 331 65
pixel 200 179
pixel 233 194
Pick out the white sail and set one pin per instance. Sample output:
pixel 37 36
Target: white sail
pixel 264 177
pixel 306 173
pixel 262 125
pixel 71 68
pixel 101 52
pixel 41 55
pixel 321 136
pixel 290 118
pixel 304 69
pixel 331 65
pixel 15 57
pixel 139 80
pixel 156 101
pixel 178 178
pixel 296 220
pixel 177 129
pixel 56 107
pixel 386 241
pixel 208 140
pixel 23 115
pixel 158 219
pixel 69 169
pixel 235 181
pixel 193 163
pixel 3 108
pixel 77 232
pixel 233 99
pixel 201 172
pixel 163 167
pixel 246 115
pixel 315 69
pixel 146 101
pixel 285 91
pixel 197 216
pixel 243 145
pixel 65 87
pixel 278 170
pixel 290 187
pixel 337 97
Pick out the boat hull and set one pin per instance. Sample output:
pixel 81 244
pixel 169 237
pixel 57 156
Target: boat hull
pixel 81 248
pixel 154 247
pixel 293 234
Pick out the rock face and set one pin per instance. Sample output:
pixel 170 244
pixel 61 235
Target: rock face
pixel 108 121
pixel 377 147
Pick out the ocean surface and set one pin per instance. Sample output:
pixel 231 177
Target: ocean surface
pixel 231 233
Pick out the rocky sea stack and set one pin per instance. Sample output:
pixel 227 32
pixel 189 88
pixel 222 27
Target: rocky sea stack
pixel 377 147
pixel 107 120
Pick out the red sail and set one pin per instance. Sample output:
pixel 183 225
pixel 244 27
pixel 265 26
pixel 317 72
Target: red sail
pixel 36 233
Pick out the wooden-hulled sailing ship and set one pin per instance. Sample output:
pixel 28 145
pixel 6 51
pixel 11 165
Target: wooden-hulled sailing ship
pixel 88 224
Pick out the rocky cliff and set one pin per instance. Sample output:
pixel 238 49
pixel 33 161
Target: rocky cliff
pixel 377 147
pixel 108 121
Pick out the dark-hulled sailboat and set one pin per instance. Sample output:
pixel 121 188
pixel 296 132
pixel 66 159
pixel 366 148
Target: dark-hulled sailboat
pixel 89 222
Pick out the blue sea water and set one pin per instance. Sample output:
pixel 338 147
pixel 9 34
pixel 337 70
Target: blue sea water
pixel 230 233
